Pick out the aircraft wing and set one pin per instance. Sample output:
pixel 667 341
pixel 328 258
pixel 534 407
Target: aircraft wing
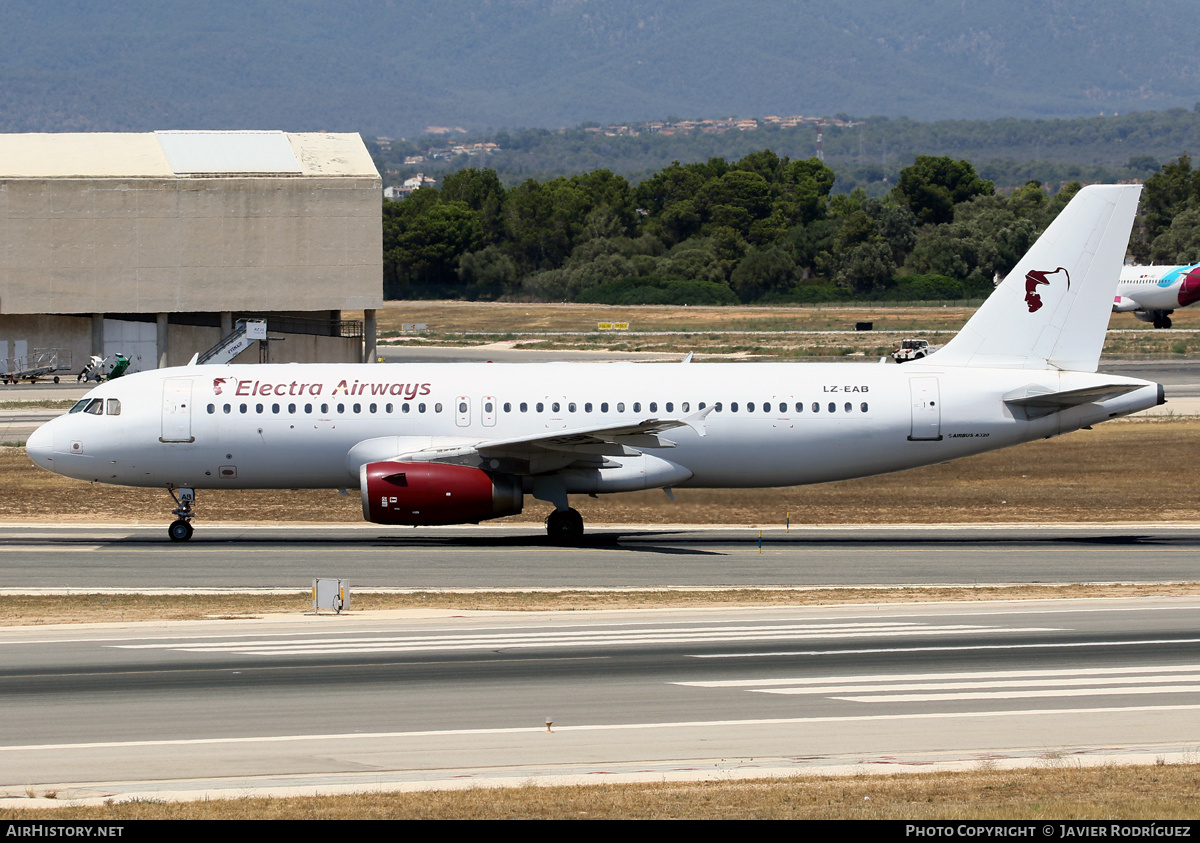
pixel 1037 403
pixel 556 449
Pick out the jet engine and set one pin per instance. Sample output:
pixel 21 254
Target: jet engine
pixel 422 493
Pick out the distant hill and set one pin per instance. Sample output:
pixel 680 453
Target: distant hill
pixel 867 153
pixel 394 67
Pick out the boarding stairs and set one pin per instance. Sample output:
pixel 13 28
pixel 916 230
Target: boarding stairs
pixel 244 334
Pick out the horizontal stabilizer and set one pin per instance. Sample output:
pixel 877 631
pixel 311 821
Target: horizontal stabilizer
pixel 1037 402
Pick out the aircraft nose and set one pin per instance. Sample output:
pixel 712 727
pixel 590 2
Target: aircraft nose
pixel 40 446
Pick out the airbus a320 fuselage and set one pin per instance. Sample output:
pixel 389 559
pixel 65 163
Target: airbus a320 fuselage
pixel 462 443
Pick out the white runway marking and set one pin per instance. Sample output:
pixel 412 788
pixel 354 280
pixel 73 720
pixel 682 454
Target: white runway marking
pixel 347 645
pixel 957 648
pixel 978 685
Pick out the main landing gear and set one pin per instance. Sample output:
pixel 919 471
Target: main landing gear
pixel 181 528
pixel 565 526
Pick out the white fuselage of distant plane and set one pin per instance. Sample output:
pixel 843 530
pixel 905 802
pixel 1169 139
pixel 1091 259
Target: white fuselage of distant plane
pixel 1152 293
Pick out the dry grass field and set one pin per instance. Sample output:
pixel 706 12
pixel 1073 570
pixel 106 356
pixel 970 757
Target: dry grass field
pixel 757 332
pixel 1059 790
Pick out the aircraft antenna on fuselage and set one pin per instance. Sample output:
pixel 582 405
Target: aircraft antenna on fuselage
pixel 1052 310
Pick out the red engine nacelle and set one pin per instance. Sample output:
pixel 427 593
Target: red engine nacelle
pixel 423 493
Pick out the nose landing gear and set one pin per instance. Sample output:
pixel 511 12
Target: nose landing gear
pixel 181 528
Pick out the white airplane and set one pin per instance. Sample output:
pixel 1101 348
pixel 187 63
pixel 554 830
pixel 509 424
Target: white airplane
pixel 462 443
pixel 1152 293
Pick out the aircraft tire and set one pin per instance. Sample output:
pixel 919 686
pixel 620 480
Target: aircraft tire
pixel 1166 321
pixel 180 531
pixel 565 526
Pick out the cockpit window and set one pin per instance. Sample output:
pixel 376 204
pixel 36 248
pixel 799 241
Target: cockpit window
pixel 95 407
pixel 79 405
pixel 114 406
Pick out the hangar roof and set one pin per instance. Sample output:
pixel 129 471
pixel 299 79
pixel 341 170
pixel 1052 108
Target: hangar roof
pixel 178 154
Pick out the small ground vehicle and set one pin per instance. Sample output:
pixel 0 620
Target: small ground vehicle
pixel 913 349
pixel 94 370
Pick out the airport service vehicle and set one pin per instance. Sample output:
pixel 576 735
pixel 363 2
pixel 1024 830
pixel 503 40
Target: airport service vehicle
pixel 913 349
pixel 1153 293
pixel 462 443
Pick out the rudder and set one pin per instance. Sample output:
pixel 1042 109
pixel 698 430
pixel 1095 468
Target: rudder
pixel 1052 310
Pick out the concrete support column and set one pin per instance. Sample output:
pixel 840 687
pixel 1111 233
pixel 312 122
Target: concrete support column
pixel 370 352
pixel 97 334
pixel 226 323
pixel 162 340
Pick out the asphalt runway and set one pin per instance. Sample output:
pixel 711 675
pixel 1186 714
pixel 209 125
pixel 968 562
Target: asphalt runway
pixel 334 704
pixel 123 558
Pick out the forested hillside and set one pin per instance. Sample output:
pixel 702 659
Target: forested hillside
pixel 762 229
pixel 867 153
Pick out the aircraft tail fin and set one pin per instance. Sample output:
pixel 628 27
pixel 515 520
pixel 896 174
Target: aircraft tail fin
pixel 1052 310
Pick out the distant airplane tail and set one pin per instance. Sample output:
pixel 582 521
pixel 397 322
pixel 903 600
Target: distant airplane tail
pixel 1052 310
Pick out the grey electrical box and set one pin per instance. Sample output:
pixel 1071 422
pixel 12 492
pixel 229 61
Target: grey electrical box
pixel 329 593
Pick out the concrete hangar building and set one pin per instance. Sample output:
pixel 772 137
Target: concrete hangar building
pixel 154 244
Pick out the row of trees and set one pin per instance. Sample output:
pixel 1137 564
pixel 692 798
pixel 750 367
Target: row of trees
pixel 761 229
